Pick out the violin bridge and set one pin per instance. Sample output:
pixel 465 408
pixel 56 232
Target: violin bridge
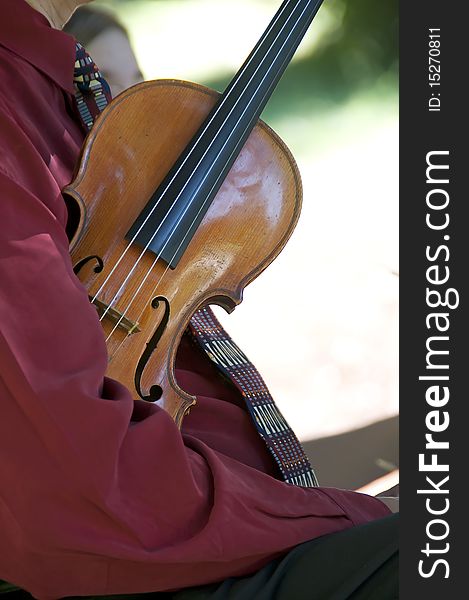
pixel 116 317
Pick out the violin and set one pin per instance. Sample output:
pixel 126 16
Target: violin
pixel 182 197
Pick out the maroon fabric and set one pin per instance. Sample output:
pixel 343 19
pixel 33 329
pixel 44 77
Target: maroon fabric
pixel 93 501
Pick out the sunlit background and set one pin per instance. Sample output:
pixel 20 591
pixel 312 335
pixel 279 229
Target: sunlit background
pixel 321 322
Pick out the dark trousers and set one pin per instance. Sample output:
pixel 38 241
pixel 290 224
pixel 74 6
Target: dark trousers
pixel 360 563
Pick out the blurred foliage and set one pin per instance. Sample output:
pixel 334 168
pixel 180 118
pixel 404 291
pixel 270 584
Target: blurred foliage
pixel 359 54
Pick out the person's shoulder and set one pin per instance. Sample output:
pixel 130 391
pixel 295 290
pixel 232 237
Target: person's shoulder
pixel 18 78
pixel 13 84
pixel 25 92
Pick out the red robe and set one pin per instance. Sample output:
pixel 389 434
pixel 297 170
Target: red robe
pixel 91 501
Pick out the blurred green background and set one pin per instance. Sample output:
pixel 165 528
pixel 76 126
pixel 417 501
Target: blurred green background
pixel 331 297
pixel 348 57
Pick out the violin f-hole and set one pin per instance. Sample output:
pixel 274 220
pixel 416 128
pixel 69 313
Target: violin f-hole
pixel 155 391
pixel 81 263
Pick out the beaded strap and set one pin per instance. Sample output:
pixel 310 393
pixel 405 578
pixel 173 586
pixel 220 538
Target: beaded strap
pixel 270 423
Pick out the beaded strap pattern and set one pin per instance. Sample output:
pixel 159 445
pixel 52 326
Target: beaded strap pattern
pixel 92 92
pixel 270 423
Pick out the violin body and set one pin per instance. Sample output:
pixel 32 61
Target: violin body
pixel 131 148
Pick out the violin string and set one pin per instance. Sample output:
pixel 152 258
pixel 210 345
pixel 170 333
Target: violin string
pixel 203 205
pixel 225 99
pixel 200 209
pixel 129 275
pixel 123 284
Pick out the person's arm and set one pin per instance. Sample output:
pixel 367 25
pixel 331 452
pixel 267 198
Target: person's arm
pixel 90 497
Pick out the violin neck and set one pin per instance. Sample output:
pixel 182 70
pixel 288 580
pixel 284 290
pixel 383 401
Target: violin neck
pixel 199 172
pixel 251 88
